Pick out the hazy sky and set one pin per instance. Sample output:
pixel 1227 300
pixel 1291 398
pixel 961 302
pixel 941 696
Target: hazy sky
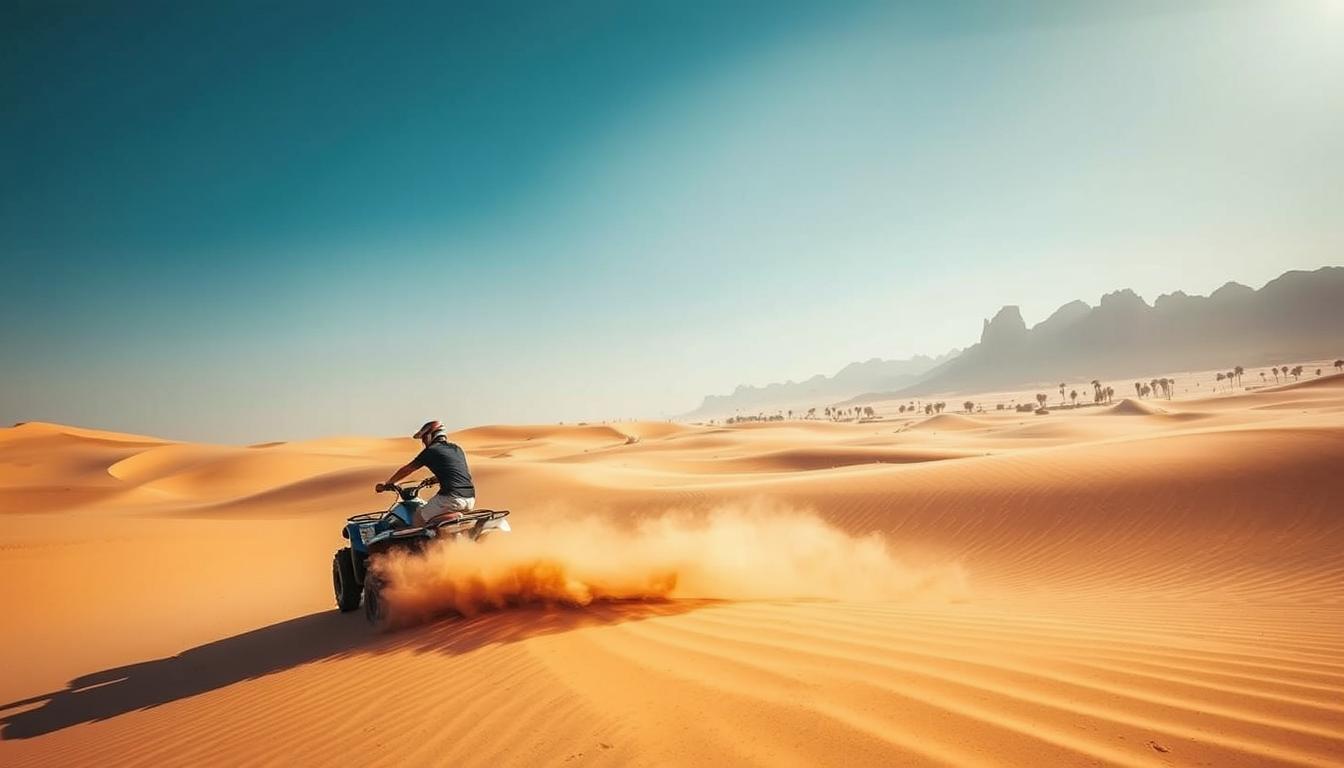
pixel 255 223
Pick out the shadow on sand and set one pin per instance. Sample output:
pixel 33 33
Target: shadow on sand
pixel 316 637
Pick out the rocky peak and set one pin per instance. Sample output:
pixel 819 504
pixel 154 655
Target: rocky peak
pixel 1064 316
pixel 1006 327
pixel 1123 299
pixel 1232 291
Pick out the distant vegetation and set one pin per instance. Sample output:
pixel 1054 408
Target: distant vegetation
pixel 1163 387
pixel 830 414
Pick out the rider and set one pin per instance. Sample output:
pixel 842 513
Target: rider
pixel 449 464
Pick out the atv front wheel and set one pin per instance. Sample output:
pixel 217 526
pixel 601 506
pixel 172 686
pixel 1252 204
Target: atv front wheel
pixel 375 609
pixel 343 580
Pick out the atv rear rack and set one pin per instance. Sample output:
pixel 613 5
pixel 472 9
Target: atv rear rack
pixel 479 514
pixel 479 517
pixel 432 528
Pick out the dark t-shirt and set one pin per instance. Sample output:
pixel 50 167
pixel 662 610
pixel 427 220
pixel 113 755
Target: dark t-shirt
pixel 449 465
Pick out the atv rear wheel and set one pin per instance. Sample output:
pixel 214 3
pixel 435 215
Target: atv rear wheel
pixel 375 609
pixel 343 580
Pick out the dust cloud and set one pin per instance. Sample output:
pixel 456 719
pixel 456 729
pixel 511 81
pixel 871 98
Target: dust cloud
pixel 732 553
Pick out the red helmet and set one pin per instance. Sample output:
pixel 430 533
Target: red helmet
pixel 431 431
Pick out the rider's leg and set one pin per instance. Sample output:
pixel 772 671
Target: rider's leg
pixel 436 505
pixel 439 504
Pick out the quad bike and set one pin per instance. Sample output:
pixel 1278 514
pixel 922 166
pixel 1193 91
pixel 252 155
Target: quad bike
pixel 376 533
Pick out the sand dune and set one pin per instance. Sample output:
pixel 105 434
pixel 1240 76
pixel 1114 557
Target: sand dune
pixel 1334 381
pixel 948 421
pixel 1148 583
pixel 1131 407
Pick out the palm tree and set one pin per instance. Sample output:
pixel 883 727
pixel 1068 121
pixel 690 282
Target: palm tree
pixel 1318 371
pixel 1339 365
pixel 969 406
pixel 1218 378
pixel 1138 389
pixel 1073 395
pixel 1040 400
pixel 1061 393
pixel 1096 391
pixel 1262 377
pixel 1239 371
pixel 1275 369
pixel 1297 372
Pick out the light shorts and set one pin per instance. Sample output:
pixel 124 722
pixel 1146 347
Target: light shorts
pixel 440 503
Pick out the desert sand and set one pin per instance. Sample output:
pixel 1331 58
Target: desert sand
pixel 1146 583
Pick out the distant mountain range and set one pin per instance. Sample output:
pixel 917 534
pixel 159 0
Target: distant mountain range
pixel 855 378
pixel 1298 315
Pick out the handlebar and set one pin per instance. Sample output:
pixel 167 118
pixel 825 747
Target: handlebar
pixel 427 482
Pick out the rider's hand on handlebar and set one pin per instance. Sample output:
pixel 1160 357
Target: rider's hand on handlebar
pixel 379 488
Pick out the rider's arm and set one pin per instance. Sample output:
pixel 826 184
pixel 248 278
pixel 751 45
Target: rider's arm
pixel 410 467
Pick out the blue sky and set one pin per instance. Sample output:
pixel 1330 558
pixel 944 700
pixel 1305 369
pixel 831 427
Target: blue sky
pixel 251 223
